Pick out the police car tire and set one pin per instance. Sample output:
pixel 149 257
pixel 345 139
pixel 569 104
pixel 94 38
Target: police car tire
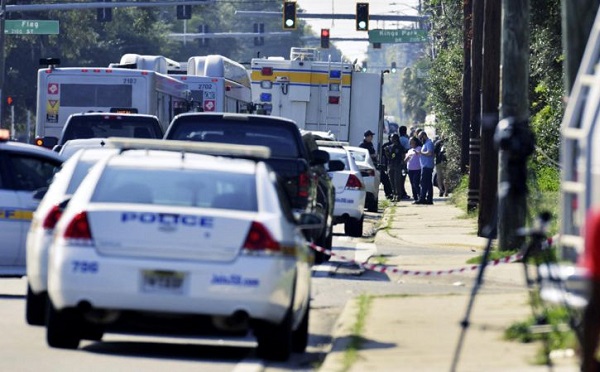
pixel 300 335
pixel 373 205
pixel 354 227
pixel 35 308
pixel 62 327
pixel 275 340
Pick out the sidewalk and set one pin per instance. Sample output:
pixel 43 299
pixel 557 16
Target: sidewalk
pixel 421 332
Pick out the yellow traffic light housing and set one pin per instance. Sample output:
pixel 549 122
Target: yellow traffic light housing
pixel 289 15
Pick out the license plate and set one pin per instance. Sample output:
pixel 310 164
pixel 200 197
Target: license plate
pixel 158 281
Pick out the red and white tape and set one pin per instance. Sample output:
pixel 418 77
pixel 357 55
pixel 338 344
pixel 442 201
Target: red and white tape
pixel 387 269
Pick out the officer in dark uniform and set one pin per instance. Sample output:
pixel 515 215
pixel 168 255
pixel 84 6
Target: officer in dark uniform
pixel 367 143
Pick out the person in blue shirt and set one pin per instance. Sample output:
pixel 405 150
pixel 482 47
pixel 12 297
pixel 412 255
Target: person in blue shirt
pixel 427 158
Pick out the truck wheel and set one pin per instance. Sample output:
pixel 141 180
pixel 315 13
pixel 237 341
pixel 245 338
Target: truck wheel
pixel 300 336
pixel 275 340
pixel 35 308
pixel 354 227
pixel 62 327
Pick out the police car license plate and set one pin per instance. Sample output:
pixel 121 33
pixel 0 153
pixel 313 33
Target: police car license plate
pixel 159 281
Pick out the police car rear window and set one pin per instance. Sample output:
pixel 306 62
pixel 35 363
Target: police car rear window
pixel 207 189
pixel 279 139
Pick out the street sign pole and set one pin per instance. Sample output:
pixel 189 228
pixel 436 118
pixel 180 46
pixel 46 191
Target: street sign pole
pixel 2 20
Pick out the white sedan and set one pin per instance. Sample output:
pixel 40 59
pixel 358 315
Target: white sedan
pixel 350 193
pixel 45 217
pixel 175 241
pixel 370 175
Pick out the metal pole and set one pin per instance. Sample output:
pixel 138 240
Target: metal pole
pixel 2 18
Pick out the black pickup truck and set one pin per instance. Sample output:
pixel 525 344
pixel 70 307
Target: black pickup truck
pixel 290 158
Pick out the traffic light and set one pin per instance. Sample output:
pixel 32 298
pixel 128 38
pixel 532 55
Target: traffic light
pixel 394 69
pixel 104 14
pixel 289 15
pixel 324 38
pixel 259 28
pixel 184 12
pixel 362 16
pixel 10 101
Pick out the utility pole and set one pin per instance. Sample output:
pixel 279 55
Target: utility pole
pixel 577 20
pixel 512 187
pixel 466 87
pixel 475 109
pixel 490 79
pixel 2 19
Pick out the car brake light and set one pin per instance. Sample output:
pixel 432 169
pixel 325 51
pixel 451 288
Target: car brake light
pixel 260 239
pixel 303 184
pixel 353 183
pixel 52 217
pixel 78 228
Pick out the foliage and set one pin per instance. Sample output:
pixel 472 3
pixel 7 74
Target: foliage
pixel 83 41
pixel 557 338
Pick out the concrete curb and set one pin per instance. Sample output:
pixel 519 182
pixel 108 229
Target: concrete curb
pixel 341 337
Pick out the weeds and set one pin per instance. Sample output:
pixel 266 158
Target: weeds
pixel 356 340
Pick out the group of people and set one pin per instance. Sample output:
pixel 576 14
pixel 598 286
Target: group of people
pixel 415 156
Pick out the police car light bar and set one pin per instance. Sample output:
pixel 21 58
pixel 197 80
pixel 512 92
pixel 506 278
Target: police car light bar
pixel 123 143
pixel 332 143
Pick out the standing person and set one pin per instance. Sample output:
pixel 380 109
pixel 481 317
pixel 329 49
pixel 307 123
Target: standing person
pixel 413 164
pixel 367 143
pixel 396 157
pixel 427 163
pixel 404 141
pixel 440 165
pixel 383 168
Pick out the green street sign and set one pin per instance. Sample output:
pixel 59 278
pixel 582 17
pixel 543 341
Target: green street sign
pixel 30 27
pixel 398 36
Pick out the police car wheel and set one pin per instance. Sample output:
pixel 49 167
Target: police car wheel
pixel 275 340
pixel 300 335
pixel 62 327
pixel 354 227
pixel 35 307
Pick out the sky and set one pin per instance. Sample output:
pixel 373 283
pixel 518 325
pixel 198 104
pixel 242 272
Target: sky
pixel 346 27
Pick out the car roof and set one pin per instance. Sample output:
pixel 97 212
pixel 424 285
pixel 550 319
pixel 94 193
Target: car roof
pixel 102 113
pixel 234 117
pixel 28 148
pixel 72 146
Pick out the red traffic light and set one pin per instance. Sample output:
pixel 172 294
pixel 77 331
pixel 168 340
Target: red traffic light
pixel 9 100
pixel 324 38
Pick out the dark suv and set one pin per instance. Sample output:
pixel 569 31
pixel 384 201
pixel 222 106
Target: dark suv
pixel 290 157
pixel 106 124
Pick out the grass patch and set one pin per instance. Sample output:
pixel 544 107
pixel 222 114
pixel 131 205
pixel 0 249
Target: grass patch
pixel 356 340
pixel 559 337
pixel 494 255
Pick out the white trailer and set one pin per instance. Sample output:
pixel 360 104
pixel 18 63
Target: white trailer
pixel 319 95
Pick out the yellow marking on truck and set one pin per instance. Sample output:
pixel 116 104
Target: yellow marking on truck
pixel 12 214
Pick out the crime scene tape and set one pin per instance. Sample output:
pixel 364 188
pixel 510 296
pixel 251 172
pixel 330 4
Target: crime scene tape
pixel 393 270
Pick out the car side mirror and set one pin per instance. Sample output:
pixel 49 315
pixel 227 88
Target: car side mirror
pixel 319 157
pixel 39 193
pixel 336 165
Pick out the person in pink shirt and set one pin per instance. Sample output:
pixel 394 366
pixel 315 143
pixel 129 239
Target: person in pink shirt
pixel 413 165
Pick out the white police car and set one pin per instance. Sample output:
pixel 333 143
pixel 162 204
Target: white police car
pixel 175 242
pixel 47 214
pixel 370 175
pixel 24 169
pixel 350 193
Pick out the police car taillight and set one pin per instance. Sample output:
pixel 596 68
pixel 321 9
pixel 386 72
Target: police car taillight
pixel 52 217
pixel 78 228
pixel 260 239
pixel 353 183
